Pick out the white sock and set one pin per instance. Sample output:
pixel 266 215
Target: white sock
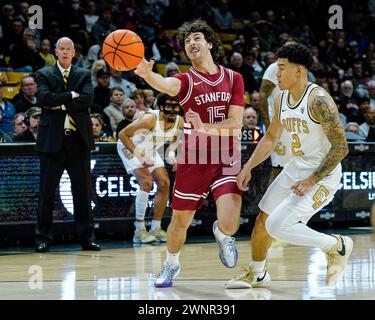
pixel 219 234
pixel 139 225
pixel 329 242
pixel 141 202
pixel 258 266
pixel 173 258
pixel 155 224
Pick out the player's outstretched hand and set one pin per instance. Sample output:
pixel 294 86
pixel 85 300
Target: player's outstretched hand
pixel 144 68
pixel 243 179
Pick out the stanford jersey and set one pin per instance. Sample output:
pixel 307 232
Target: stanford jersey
pixel 210 96
pixel 203 93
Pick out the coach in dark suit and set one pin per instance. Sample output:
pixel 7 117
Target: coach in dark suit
pixel 65 141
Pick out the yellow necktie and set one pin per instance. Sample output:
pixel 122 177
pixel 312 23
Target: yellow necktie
pixel 65 77
pixel 72 124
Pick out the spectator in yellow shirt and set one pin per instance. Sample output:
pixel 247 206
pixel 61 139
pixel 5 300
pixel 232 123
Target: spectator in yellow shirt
pixel 45 52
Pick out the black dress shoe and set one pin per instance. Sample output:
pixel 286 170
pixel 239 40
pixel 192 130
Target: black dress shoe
pixel 42 247
pixel 90 246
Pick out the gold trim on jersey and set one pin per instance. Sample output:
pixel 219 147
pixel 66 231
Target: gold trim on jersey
pixel 300 100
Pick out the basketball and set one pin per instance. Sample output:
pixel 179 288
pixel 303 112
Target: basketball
pixel 123 49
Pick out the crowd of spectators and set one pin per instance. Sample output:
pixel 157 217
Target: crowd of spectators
pixel 344 60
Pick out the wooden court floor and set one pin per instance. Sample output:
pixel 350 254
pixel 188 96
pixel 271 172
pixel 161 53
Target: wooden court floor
pixel 121 271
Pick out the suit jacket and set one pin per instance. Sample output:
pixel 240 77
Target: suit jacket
pixel 52 93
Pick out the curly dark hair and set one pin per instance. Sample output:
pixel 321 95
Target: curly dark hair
pixel 199 25
pixel 296 53
pixel 163 97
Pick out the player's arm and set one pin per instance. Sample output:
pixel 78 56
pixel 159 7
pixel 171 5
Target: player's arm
pixel 263 150
pixel 229 125
pixel 325 111
pixel 168 85
pixel 172 148
pixel 145 124
pixel 268 142
pixel 232 122
pixel 266 89
pixel 176 140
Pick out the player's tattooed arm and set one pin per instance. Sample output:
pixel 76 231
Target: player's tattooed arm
pixel 266 88
pixel 325 111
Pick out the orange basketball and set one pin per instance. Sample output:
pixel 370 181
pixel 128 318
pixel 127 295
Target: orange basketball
pixel 123 50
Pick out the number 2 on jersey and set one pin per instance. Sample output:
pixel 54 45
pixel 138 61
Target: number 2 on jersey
pixel 216 114
pixel 296 145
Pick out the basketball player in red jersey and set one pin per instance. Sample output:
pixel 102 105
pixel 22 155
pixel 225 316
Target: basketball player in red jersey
pixel 212 98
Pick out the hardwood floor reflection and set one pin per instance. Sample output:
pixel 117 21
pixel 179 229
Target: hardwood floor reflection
pixel 128 273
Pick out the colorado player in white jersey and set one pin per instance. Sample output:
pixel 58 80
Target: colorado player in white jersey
pixel 310 179
pixel 269 91
pixel 212 98
pixel 138 146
